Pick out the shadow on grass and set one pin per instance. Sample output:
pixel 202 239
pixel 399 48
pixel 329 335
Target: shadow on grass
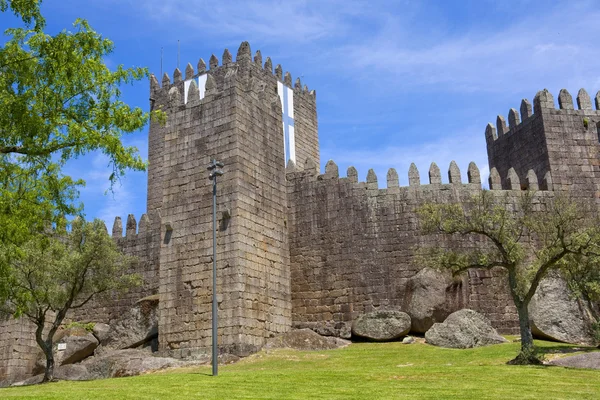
pixel 564 349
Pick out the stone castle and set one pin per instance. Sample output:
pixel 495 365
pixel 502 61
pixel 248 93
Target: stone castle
pixel 297 248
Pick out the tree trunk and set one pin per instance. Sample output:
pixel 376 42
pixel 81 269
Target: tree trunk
pixel 525 329
pixel 46 346
pixel 527 354
pixel 49 372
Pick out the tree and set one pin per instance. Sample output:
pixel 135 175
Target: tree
pixel 59 101
pixel 61 271
pixel 527 237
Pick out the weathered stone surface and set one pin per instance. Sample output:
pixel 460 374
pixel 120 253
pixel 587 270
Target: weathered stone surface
pixel 328 328
pixel 430 296
pixel 78 348
pixel 126 363
pixel 555 315
pixel 134 328
pixel 463 329
pixel 115 364
pixel 382 325
pixel 70 372
pixel 587 360
pixel 305 339
pixel 101 331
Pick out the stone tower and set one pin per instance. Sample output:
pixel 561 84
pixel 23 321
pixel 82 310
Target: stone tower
pixel 561 146
pixel 230 112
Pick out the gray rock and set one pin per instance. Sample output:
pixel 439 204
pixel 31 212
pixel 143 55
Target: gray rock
pixel 78 348
pixel 305 339
pixel 327 328
pixel 101 331
pixel 382 325
pixel 408 340
pixel 71 372
pixel 555 315
pixel 127 363
pixel 134 328
pixel 462 330
pixel 586 360
pixel 430 296
pixel 115 364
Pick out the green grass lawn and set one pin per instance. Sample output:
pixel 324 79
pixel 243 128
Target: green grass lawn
pixel 360 371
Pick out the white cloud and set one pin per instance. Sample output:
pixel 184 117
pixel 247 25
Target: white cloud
pixel 266 21
pixel 540 49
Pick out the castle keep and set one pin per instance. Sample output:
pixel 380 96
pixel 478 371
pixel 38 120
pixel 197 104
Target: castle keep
pixel 296 247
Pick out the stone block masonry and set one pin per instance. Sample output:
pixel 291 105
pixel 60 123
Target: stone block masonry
pixel 353 246
pixel 295 247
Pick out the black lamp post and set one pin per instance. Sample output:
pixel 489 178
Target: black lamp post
pixel 213 167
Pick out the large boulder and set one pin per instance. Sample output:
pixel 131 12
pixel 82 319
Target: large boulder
pixel 430 296
pixel 77 348
pixel 305 339
pixel 129 362
pixel 555 315
pixel 101 331
pixel 462 330
pixel 113 364
pixel 382 325
pixel 137 326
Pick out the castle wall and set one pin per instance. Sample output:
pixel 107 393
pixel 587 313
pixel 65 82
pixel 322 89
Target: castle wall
pixel 352 247
pixel 18 349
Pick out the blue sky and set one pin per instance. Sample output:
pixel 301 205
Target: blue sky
pixel 397 81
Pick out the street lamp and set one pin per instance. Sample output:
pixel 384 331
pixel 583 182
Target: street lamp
pixel 213 167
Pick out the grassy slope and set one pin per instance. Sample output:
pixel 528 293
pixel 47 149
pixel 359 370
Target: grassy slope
pixel 361 371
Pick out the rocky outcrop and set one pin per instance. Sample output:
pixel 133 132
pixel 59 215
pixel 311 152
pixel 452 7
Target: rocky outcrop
pixel 327 328
pixel 101 331
pixel 430 296
pixel 112 365
pixel 382 325
pixel 555 315
pixel 71 345
pixel 305 339
pixel 127 363
pixel 78 348
pixel 462 330
pixel 136 327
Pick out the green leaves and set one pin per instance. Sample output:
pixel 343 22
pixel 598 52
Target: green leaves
pixel 59 271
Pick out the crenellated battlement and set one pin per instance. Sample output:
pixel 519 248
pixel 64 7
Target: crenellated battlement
pixel 311 173
pixel 132 228
pixel 543 101
pixel 172 89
